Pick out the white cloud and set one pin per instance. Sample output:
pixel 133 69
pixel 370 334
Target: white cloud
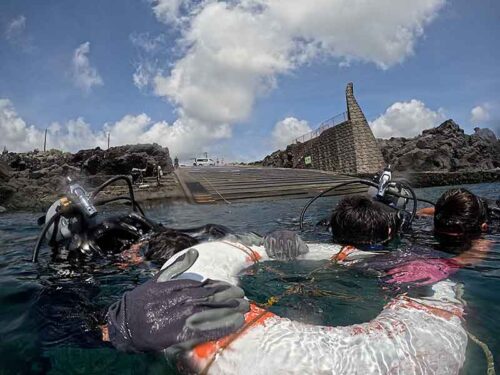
pixel 406 119
pixel 181 137
pixel 85 76
pixel 71 136
pixel 15 34
pixel 15 28
pixel 144 74
pixel 285 131
pixel 16 134
pixel 146 42
pixel 480 114
pixel 234 51
pixel 169 11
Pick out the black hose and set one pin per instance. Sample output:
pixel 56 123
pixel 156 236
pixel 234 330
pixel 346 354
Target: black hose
pixel 364 182
pixel 414 196
pixel 116 178
pixel 404 196
pixel 36 250
pixel 368 183
pixel 102 202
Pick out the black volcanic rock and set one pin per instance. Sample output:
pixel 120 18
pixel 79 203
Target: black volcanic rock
pixel 121 159
pixel 4 172
pixel 34 179
pixel 444 148
pixel 280 159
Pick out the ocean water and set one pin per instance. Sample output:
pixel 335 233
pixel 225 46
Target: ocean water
pixel 49 314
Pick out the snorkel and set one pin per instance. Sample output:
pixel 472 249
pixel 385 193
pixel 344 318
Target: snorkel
pixel 69 218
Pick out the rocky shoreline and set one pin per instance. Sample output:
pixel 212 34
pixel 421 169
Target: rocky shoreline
pixel 33 180
pixel 445 148
pixel 444 155
pixel 438 178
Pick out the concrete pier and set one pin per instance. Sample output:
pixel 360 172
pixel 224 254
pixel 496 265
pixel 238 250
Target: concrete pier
pixel 236 183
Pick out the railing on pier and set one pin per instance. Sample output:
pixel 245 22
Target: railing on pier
pixel 327 124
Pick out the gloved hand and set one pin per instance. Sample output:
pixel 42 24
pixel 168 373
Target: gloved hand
pixel 423 272
pixel 284 245
pixel 247 239
pixel 176 314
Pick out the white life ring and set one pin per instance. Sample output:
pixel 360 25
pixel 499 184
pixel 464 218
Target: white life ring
pixel 409 336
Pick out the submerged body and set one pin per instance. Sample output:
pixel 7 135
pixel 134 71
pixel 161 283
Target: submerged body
pixel 410 335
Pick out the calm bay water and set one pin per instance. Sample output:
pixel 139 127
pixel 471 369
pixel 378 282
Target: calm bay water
pixel 48 314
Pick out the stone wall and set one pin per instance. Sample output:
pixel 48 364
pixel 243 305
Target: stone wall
pixel 349 147
pixel 368 156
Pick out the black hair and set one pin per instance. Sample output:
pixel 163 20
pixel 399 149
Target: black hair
pixel 459 212
pixel 359 220
pixel 167 242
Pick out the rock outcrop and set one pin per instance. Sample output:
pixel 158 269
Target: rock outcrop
pixel 121 159
pixel 281 159
pixel 444 148
pixel 33 180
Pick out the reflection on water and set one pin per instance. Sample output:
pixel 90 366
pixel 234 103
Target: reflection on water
pixel 49 314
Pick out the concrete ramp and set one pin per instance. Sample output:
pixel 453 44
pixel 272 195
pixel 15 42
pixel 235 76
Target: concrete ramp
pixel 228 184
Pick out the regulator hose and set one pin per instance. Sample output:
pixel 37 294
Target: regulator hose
pixel 404 196
pixel 414 196
pixel 367 183
pixel 36 249
pixel 113 179
pixel 363 182
pixel 102 202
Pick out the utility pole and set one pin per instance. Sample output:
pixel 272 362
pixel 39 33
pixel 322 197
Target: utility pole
pixel 45 141
pixel 109 133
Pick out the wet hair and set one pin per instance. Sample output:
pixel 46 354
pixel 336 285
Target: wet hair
pixel 359 220
pixel 459 212
pixel 167 242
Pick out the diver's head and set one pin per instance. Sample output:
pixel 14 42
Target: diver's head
pixel 165 243
pixel 460 213
pixel 359 220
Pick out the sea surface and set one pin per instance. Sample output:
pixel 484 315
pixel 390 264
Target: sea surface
pixel 49 314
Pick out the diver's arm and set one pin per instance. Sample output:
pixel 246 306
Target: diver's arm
pixel 185 312
pixel 426 211
pixel 105 333
pixel 429 271
pixel 131 256
pixel 477 252
pixel 207 232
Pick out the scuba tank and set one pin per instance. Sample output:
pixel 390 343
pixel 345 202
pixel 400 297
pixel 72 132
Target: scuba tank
pixel 67 224
pixel 392 193
pixel 74 223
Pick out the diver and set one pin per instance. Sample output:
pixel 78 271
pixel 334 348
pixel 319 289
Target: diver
pixel 160 245
pixel 460 219
pixel 161 313
pixel 360 221
pixel 78 232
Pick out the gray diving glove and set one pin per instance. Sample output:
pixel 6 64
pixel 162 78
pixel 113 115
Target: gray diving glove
pixel 176 314
pixel 284 245
pixel 248 239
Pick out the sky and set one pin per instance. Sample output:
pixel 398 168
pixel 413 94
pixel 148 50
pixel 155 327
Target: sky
pixel 240 79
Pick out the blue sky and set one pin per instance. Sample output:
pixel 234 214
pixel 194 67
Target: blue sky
pixel 219 78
